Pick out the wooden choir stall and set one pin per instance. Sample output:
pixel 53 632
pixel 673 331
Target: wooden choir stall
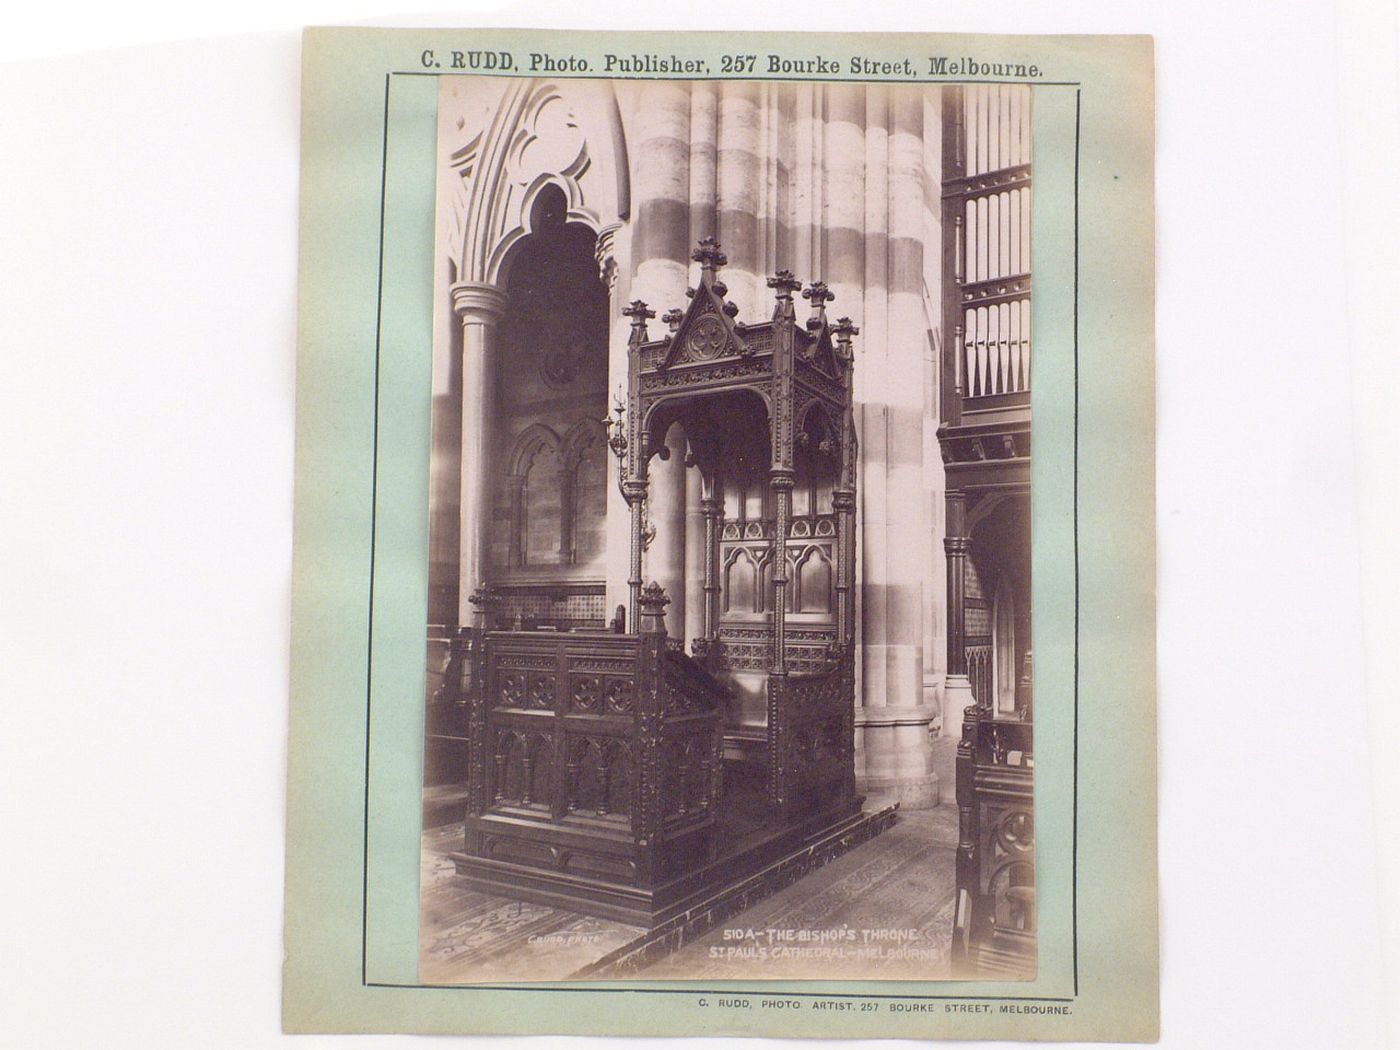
pixel 613 773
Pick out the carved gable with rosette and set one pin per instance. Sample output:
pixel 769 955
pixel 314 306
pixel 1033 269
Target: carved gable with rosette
pixel 706 331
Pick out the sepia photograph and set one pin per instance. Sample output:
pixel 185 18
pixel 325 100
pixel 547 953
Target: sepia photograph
pixel 533 531
pixel 729 635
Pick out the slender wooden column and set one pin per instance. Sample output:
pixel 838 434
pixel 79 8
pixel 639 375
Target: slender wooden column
pixel 636 493
pixel 712 505
pixel 781 477
pixel 649 808
pixel 843 497
pixel 780 480
pixel 634 485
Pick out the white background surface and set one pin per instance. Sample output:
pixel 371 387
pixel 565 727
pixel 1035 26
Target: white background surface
pixel 148 240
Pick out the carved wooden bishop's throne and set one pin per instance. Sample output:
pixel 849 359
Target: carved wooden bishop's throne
pixel 610 772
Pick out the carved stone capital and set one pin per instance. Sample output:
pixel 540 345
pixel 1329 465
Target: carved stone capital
pixel 606 254
pixel 477 303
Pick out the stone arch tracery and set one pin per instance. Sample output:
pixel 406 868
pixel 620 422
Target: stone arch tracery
pixel 528 136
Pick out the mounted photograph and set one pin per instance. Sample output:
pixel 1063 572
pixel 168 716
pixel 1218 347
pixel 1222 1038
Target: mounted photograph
pixel 729 633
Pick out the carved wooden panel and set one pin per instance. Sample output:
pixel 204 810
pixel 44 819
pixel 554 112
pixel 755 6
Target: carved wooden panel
pixel 1008 865
pixel 814 580
pixel 522 770
pixel 689 782
pixel 514 686
pixel 586 735
pixel 541 692
pixel 739 582
pixel 749 647
pixel 598 776
pixel 585 694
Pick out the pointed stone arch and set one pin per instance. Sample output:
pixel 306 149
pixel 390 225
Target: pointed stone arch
pixel 580 449
pixel 533 441
pixel 517 139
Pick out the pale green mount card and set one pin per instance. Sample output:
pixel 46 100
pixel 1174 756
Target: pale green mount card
pixel 724 572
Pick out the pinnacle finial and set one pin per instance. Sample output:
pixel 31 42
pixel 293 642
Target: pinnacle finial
pixel 484 601
pixel 484 595
pixel 707 253
pixel 818 295
pixel 638 311
pixel 844 331
pixel 784 284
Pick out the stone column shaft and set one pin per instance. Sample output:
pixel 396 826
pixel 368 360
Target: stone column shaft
pixel 737 191
pixel 704 143
pixel 479 306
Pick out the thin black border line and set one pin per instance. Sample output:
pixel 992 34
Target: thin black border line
pixel 369 692
pixel 721 79
pixel 545 986
pixel 373 524
pixel 1074 832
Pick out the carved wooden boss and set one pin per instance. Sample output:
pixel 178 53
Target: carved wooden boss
pixel 595 774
